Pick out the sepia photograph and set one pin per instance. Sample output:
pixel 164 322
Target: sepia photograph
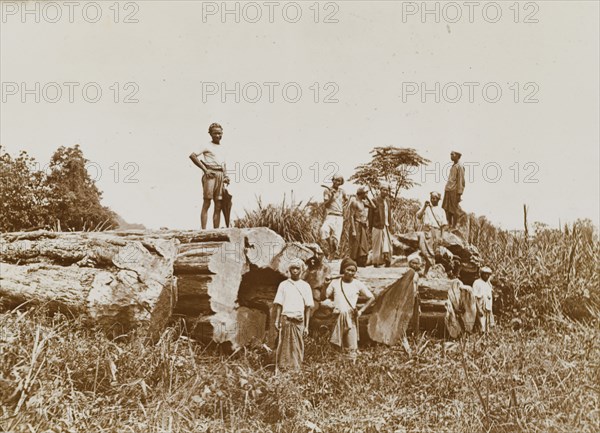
pixel 353 216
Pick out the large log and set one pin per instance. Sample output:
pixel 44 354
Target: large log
pixel 117 285
pixel 459 257
pixel 220 282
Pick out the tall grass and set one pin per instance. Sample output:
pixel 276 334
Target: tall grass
pixel 553 272
pixel 292 221
pixel 58 375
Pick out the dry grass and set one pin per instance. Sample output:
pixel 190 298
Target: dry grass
pixel 57 375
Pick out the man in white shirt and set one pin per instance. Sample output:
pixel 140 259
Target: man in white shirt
pixel 293 303
pixel 334 199
pixel 434 222
pixel 211 160
pixel 482 290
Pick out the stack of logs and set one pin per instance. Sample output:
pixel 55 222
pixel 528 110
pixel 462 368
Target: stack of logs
pixel 221 283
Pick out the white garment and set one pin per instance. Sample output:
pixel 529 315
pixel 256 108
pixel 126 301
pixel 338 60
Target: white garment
pixel 483 291
pixel 213 155
pixel 332 226
pixel 294 296
pixel 351 290
pixel 433 213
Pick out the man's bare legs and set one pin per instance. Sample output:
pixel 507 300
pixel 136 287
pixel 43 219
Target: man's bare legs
pixel 217 214
pixel 204 214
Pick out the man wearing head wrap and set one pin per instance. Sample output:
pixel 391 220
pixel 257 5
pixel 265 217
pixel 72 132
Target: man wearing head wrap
pixel 380 220
pixel 433 221
pixel 293 302
pixel 454 190
pixel 345 292
pixel 359 219
pixel 482 290
pixel 334 199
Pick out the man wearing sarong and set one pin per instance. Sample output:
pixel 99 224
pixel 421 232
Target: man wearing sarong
pixel 454 189
pixel 334 199
pixel 345 292
pixel 380 219
pixel 433 220
pixel 211 160
pixel 293 303
pixel 359 219
pixel 482 290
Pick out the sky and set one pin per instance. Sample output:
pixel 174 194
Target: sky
pixel 307 89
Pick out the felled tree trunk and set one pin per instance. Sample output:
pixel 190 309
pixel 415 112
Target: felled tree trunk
pixel 460 258
pixel 114 283
pixel 220 282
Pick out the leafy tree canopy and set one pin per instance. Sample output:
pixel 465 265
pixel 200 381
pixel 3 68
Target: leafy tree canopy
pixel 389 164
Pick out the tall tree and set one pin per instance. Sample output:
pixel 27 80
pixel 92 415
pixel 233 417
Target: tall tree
pixel 74 199
pixel 389 164
pixel 22 193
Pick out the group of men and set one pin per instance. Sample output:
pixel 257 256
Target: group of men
pixel 294 299
pixel 376 216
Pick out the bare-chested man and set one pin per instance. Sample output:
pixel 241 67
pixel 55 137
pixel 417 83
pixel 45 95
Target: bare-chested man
pixel 359 220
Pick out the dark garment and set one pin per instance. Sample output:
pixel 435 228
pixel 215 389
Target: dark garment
pixel 377 214
pixel 359 245
pixel 226 206
pixel 290 349
pixel 451 203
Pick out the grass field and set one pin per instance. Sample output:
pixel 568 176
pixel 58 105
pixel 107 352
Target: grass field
pixel 56 375
pixel 538 371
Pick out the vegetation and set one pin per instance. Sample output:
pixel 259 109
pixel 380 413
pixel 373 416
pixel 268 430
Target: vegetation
pixel 57 375
pixel 62 197
pixel 389 164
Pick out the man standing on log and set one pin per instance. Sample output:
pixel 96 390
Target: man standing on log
pixel 293 303
pixel 433 219
pixel 454 189
pixel 211 160
pixel 359 219
pixel 380 219
pixel 334 199
pixel 345 292
pixel 482 290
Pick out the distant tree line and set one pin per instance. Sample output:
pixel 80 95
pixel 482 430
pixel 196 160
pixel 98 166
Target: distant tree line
pixel 63 197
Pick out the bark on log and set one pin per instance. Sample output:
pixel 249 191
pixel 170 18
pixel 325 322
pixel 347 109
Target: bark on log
pixel 116 285
pixel 221 282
